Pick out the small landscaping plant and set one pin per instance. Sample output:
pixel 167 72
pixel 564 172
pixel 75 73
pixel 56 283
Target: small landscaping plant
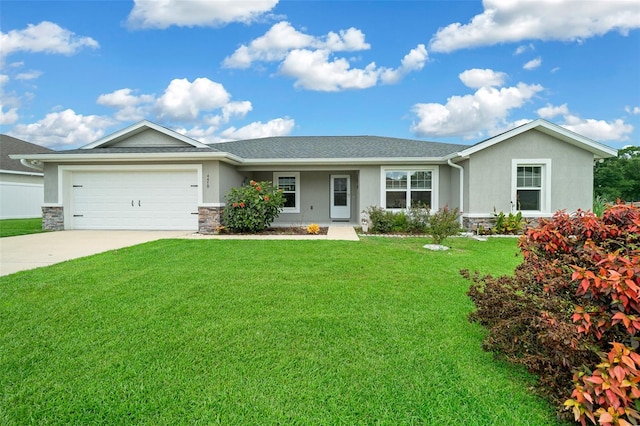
pixel 252 208
pixel 508 224
pixel 571 312
pixel 443 223
pixel 314 229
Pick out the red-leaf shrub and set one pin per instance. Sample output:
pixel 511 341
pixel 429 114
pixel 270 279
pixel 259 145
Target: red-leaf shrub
pixel 576 292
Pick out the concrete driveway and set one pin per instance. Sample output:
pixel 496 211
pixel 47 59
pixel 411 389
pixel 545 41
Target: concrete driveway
pixel 36 250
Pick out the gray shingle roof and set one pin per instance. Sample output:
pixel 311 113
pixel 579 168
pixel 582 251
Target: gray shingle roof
pixel 137 150
pixel 10 145
pixel 292 147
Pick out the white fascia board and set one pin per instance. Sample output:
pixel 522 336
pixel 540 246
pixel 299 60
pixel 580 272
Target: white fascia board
pixel 15 172
pixel 139 127
pixel 134 157
pixel 599 150
pixel 342 161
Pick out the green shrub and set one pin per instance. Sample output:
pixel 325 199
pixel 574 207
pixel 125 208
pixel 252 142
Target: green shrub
pixel 400 222
pixel 381 220
pixel 444 223
pixel 252 208
pixel 418 220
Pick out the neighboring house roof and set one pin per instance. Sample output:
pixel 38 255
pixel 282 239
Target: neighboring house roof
pixel 11 146
pixel 336 147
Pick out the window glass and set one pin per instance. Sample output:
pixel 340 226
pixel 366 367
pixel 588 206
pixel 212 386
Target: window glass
pixel 396 200
pixel 421 180
pixel 528 199
pixel 396 180
pixel 288 184
pixel 421 199
pixel 408 188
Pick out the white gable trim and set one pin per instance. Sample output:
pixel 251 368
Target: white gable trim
pixel 599 150
pixel 140 127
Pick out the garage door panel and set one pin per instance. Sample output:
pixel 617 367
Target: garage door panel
pixel 164 199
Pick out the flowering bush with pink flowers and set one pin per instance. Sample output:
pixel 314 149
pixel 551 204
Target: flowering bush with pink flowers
pixel 252 208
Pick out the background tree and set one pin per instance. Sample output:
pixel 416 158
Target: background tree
pixel 619 177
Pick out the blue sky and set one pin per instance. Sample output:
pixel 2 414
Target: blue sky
pixel 453 71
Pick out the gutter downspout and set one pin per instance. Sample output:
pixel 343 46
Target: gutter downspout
pixel 33 164
pixel 449 162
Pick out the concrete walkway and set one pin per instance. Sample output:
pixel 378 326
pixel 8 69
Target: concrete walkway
pixel 335 232
pixel 36 250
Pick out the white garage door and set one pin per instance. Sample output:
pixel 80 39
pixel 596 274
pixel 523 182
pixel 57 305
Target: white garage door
pixel 162 200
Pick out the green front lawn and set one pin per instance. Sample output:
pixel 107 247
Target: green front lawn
pixel 13 227
pixel 259 332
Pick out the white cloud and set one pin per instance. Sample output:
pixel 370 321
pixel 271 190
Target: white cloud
pixel 476 78
pixel 258 129
pixel 130 107
pixel 533 64
pixel 45 37
pixel 472 115
pixel 523 48
pixel 8 117
pixel 282 38
pixel 317 70
pixel 31 75
pixel 314 70
pixel 412 61
pixel 548 112
pixel 63 129
pixel 188 13
pixel 634 110
pixel 310 60
pixel 184 100
pixel 599 130
pixel 517 20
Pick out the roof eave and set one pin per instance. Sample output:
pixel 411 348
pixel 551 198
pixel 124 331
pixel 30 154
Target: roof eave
pixel 138 157
pixel 341 161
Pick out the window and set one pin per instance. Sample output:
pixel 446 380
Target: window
pixel 289 183
pixel 531 185
pixel 404 189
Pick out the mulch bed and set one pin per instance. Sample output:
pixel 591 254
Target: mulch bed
pixel 289 230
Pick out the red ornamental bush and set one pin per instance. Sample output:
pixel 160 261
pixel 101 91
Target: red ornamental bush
pixel 574 299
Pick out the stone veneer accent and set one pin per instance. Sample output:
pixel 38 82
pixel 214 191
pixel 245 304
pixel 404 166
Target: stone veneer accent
pixel 209 219
pixel 53 218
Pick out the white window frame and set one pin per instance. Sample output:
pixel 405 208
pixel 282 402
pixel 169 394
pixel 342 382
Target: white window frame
pixel 296 176
pixel 409 170
pixel 545 187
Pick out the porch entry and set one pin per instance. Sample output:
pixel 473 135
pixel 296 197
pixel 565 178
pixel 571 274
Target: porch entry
pixel 340 197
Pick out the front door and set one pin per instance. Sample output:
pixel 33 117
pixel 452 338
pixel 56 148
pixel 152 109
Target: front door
pixel 340 197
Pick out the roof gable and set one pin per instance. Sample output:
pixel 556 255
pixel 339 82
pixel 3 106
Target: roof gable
pixel 145 134
pixel 597 149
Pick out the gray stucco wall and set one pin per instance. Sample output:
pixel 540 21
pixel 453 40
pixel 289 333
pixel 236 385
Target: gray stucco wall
pixel 315 198
pixel 51 183
pixel 148 138
pixel 228 177
pixel 489 173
